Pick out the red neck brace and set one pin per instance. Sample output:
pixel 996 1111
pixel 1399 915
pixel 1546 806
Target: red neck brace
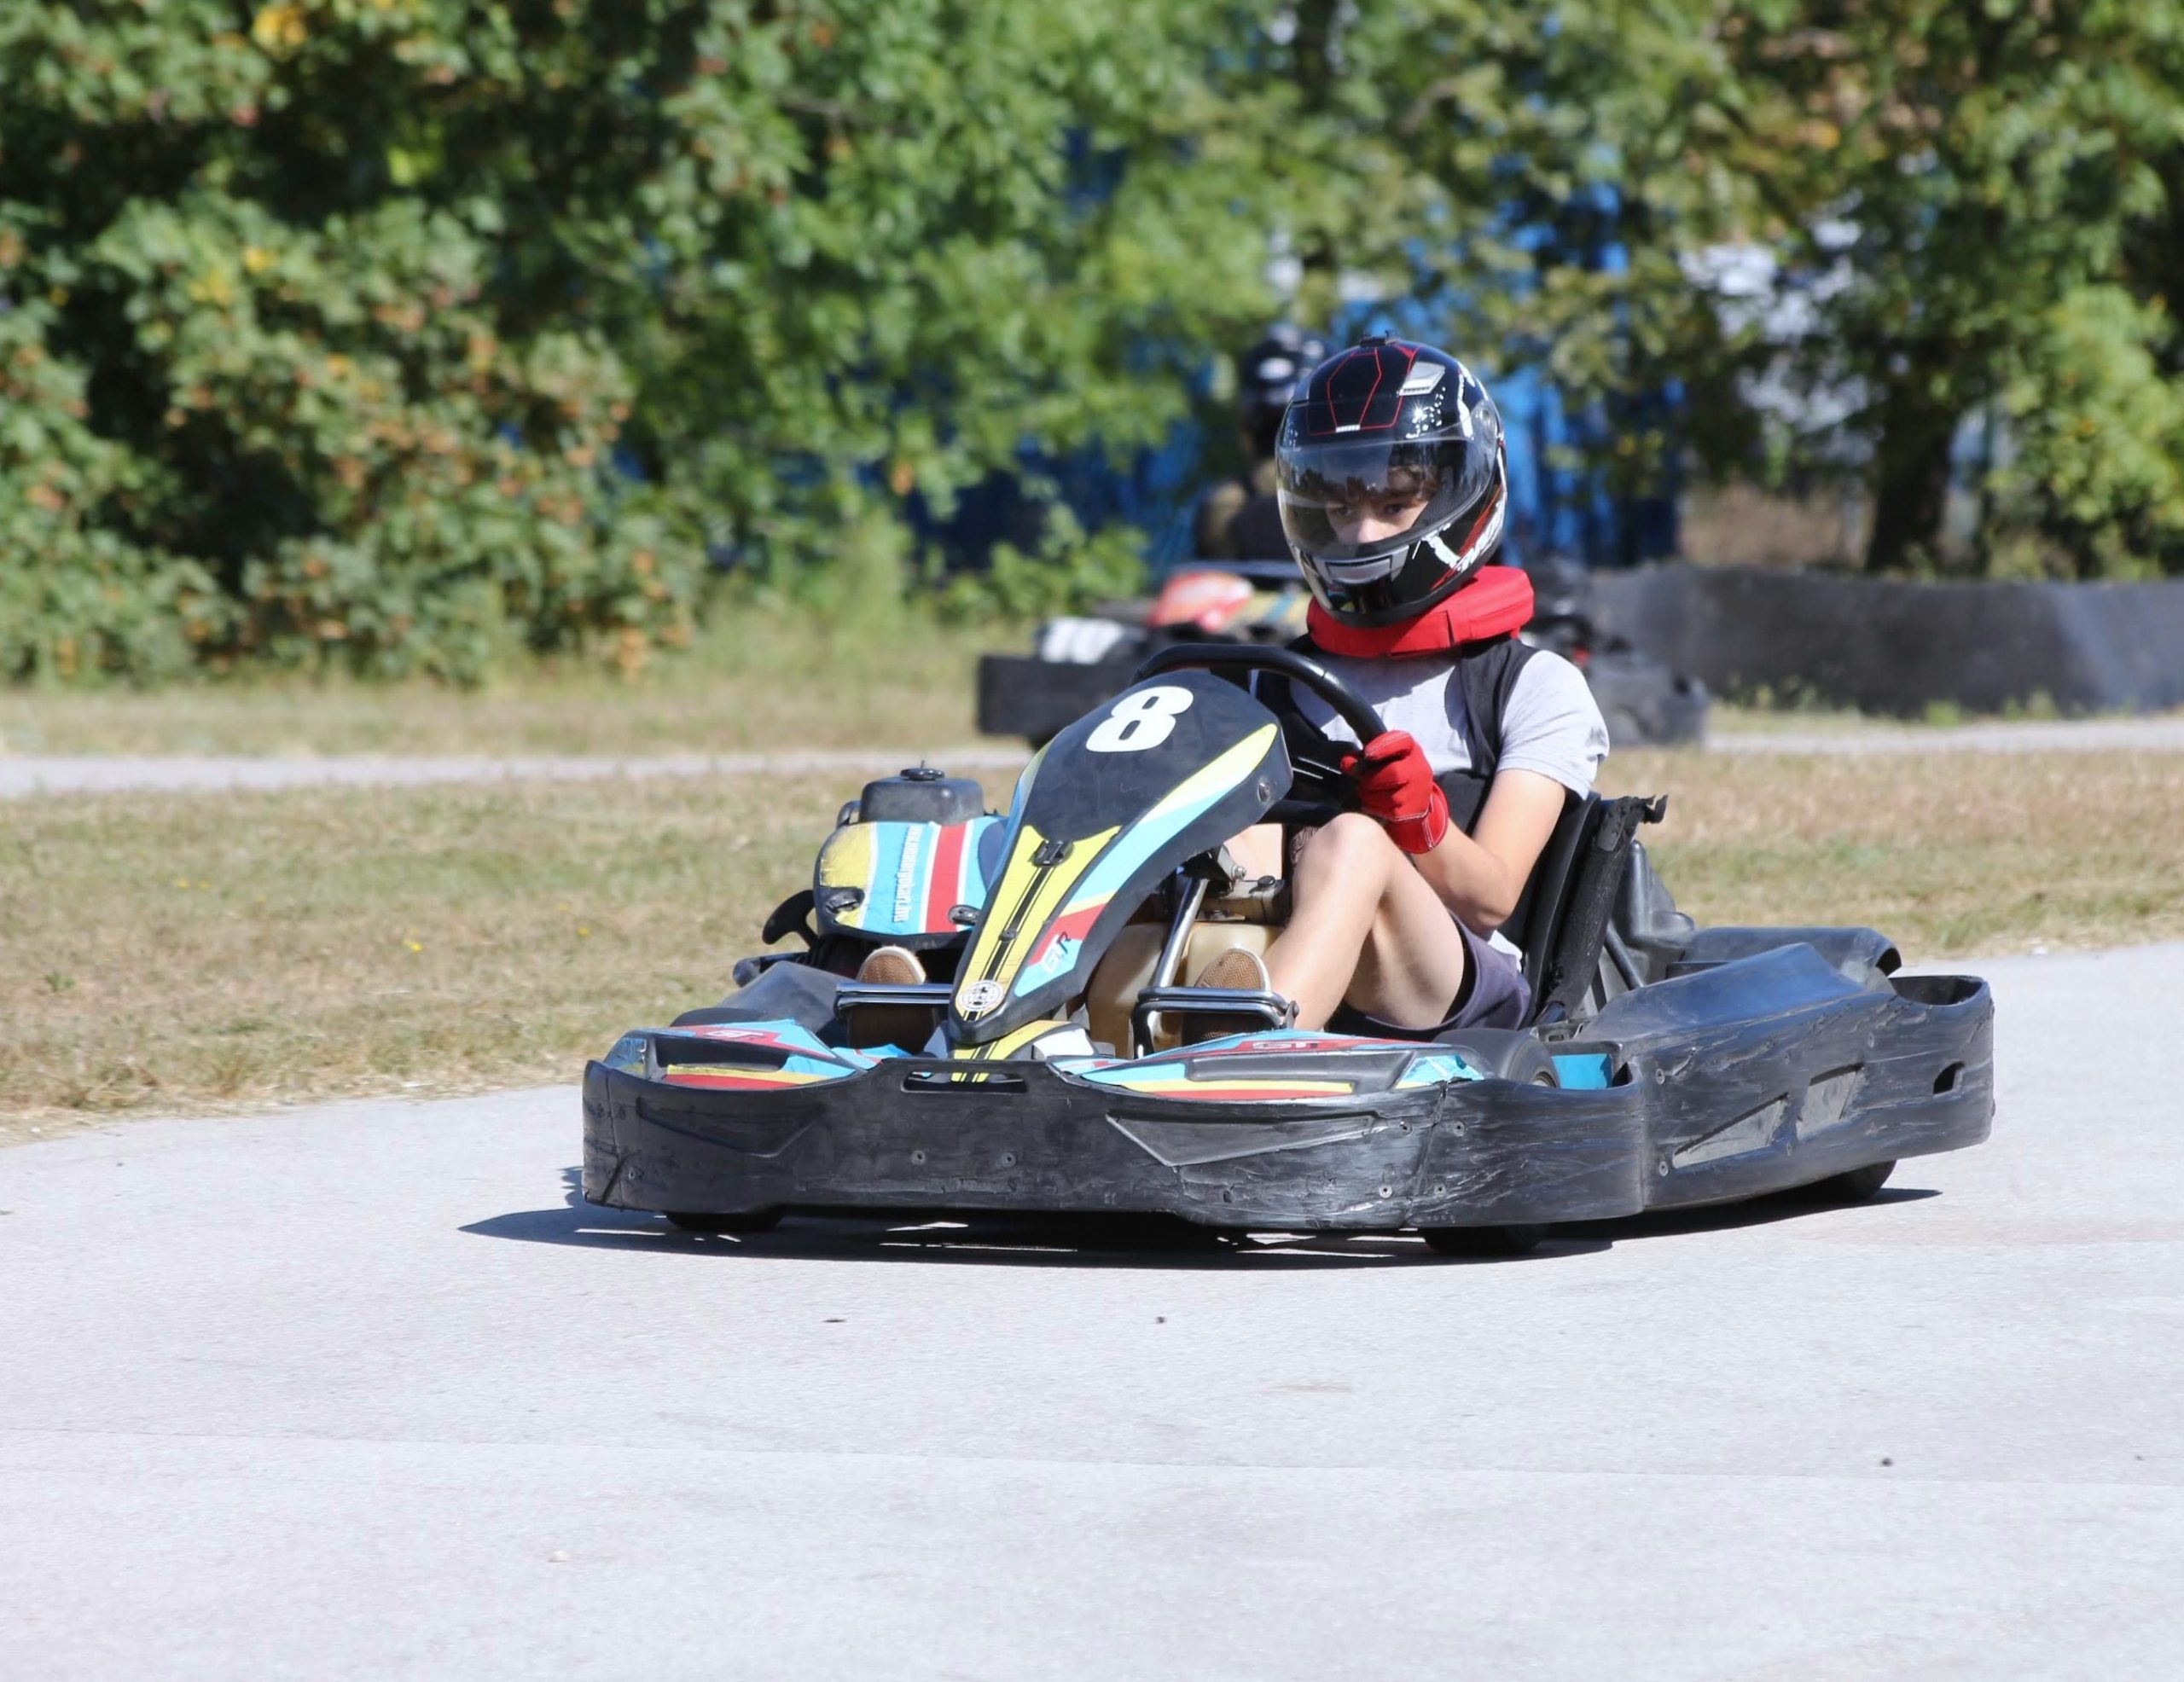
pixel 1497 601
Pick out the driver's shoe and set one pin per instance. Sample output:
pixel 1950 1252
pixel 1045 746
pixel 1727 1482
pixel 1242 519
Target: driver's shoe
pixel 905 1026
pixel 1240 970
pixel 892 967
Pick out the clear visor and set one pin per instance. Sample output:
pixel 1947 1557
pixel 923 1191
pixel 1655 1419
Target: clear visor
pixel 1352 500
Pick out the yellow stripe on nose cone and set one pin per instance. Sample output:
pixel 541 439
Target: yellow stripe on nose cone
pixel 988 973
pixel 997 1050
pixel 1026 899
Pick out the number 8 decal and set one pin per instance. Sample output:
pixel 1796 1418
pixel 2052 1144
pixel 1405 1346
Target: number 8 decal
pixel 1142 719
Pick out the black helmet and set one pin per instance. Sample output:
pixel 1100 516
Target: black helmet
pixel 1268 376
pixel 1404 432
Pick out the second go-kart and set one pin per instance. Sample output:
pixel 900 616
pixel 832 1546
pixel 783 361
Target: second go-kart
pixel 1052 1063
pixel 1079 661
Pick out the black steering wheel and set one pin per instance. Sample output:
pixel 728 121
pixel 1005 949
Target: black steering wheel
pixel 1321 786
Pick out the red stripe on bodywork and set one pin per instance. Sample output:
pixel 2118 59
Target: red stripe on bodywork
pixel 1074 927
pixel 746 1037
pixel 947 879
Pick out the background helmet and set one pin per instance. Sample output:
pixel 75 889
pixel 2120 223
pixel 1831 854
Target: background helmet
pixel 1268 376
pixel 1390 420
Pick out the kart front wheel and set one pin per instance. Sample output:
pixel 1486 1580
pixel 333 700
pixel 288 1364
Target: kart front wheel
pixel 749 1220
pixel 1481 1243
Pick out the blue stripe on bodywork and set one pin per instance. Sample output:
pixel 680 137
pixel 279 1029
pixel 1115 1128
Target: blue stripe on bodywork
pixel 973 890
pixel 1437 1069
pixel 878 911
pixel 1102 1072
pixel 1136 843
pixel 1585 1071
pixel 1105 879
pixel 801 1045
pixel 876 915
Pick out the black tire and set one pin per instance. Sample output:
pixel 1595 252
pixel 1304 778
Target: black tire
pixel 1852 1187
pixel 1483 1242
pixel 1506 1054
pixel 749 1220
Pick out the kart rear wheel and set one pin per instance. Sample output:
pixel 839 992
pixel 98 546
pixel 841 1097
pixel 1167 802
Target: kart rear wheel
pixel 749 1220
pixel 1480 1243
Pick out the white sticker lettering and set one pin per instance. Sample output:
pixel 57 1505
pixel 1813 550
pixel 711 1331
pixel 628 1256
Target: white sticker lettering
pixel 1142 719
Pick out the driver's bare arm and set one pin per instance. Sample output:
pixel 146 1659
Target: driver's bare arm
pixel 1480 876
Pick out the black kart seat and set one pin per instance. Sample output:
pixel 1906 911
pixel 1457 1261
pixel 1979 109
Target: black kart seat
pixel 1561 924
pixel 1531 925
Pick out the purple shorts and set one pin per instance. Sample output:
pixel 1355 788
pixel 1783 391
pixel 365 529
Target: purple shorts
pixel 1495 994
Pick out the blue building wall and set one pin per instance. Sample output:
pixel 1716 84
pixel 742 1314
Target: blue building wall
pixel 1555 508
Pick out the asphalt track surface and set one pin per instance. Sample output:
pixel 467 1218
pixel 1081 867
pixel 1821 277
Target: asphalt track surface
pixel 360 1391
pixel 26 774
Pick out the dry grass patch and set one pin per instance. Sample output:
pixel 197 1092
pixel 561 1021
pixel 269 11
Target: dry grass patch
pixel 186 953
pixel 749 685
pixel 174 953
pixel 1952 853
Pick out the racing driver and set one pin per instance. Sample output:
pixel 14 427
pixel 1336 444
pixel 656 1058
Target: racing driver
pixel 1394 486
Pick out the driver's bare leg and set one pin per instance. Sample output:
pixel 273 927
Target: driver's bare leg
pixel 1365 926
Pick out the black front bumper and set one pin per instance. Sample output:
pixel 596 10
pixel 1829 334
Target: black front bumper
pixel 1695 1114
pixel 1483 1153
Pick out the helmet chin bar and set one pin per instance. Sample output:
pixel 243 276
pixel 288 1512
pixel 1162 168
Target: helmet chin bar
pixel 1368 569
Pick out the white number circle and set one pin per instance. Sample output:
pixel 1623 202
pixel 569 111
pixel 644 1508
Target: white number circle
pixel 1142 719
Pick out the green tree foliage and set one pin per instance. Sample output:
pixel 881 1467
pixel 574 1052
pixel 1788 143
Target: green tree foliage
pixel 1551 189
pixel 1991 180
pixel 1974 210
pixel 394 333
pixel 389 330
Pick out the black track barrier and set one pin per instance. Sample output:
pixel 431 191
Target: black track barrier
pixel 1887 646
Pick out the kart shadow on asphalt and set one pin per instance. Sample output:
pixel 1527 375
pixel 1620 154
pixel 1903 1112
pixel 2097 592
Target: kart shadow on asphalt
pixel 1145 1241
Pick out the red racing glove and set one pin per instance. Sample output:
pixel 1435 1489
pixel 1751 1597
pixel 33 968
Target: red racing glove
pixel 1395 784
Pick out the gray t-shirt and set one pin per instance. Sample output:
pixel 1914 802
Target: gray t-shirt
pixel 1551 724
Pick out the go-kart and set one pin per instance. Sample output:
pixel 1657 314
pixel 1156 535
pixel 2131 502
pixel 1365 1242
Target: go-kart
pixel 1078 661
pixel 1082 659
pixel 1053 1061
